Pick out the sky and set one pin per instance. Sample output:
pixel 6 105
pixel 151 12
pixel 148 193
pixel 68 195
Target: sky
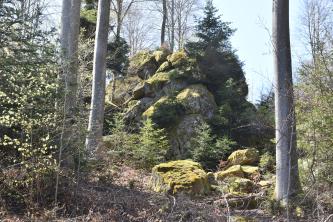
pixel 252 19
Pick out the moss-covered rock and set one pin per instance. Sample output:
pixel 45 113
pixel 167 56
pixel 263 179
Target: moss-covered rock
pixel 166 66
pixel 240 185
pixel 166 112
pixel 233 171
pixel 123 89
pixel 161 55
pixel 143 64
pixel 158 78
pixel 152 109
pixel 178 59
pixel 181 135
pixel 249 172
pixel 244 157
pixel 197 100
pixel 182 176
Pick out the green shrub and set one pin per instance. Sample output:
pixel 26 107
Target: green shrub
pixel 152 145
pixel 267 162
pixel 207 149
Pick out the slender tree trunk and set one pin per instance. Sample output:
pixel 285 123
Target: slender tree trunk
pixel 96 118
pixel 164 20
pixel 113 86
pixel 119 18
pixel 287 178
pixel 172 42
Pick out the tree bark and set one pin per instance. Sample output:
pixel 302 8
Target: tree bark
pixel 69 39
pixel 164 20
pixel 96 118
pixel 172 41
pixel 287 178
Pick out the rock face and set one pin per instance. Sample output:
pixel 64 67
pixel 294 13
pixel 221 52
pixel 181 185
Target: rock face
pixel 167 91
pixel 197 100
pixel 183 133
pixel 143 65
pixel 182 176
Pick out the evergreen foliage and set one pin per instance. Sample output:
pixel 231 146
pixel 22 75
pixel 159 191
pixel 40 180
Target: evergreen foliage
pixel 152 146
pixel 207 149
pixel 117 59
pixel 222 69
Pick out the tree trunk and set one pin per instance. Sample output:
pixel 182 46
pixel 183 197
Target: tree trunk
pixel 287 178
pixel 164 20
pixel 96 118
pixel 69 38
pixel 119 18
pixel 172 42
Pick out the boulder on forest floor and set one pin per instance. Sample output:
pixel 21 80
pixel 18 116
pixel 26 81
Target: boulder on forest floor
pixel 244 157
pixel 181 176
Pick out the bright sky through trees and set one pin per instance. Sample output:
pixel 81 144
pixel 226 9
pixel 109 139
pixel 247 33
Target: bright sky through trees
pixel 252 19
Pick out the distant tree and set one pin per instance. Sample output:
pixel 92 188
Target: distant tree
pixel 164 21
pixel 287 177
pixel 96 118
pixel 222 71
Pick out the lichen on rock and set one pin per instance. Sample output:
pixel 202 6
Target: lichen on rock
pixel 238 171
pixel 143 65
pixel 197 100
pixel 181 176
pixel 178 59
pixel 244 157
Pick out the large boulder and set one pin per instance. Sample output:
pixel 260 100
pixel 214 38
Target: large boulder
pixel 197 100
pixel 182 176
pixel 244 157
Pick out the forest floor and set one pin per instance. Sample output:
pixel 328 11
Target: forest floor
pixel 122 194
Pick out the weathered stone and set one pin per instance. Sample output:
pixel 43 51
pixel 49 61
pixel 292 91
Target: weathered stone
pixel 143 65
pixel 161 55
pixel 123 89
pixel 249 172
pixel 134 112
pixel 182 176
pixel 139 91
pixel 233 171
pixel 184 131
pixel 240 185
pixel 178 59
pixel 151 110
pixel 244 157
pixel 166 66
pixel 198 100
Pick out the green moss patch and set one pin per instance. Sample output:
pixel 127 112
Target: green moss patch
pixel 183 176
